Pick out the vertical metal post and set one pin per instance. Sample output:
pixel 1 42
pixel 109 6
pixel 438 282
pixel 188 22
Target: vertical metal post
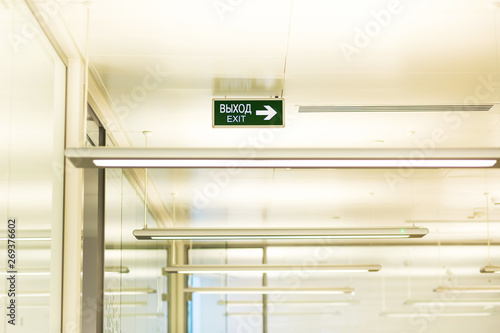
pixel 177 306
pixel 101 240
pixel 264 297
pixel 93 248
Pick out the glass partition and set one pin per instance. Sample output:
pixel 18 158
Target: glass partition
pixel 32 108
pixel 134 284
pixel 225 313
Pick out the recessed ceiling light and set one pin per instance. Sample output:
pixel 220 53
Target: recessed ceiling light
pixel 396 108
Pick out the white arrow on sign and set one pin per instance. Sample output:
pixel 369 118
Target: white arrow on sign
pixel 269 112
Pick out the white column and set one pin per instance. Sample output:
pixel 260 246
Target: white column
pixel 73 201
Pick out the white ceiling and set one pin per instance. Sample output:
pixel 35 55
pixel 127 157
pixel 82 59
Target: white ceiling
pixel 434 197
pixel 431 52
pixel 417 58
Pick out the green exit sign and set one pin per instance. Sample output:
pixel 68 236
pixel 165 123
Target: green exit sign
pixel 248 112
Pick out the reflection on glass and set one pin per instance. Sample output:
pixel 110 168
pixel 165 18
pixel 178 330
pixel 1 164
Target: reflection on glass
pixel 32 106
pixel 132 300
pixel 213 309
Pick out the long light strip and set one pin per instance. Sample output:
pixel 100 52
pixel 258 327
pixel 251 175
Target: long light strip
pixel 269 290
pixel 483 303
pixel 470 289
pixel 27 238
pixel 137 291
pixel 311 303
pixel 211 269
pixel 36 272
pixel 274 237
pixel 291 314
pixel 294 163
pixel 142 315
pixel 26 273
pixel 110 292
pixel 490 269
pixel 129 304
pixel 119 305
pixel 117 269
pixel 30 235
pixel 277 233
pixel 435 314
pixel 29 295
pixel 395 108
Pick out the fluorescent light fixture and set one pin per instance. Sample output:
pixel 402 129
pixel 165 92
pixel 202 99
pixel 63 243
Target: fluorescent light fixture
pixel 138 291
pixel 311 303
pixel 40 272
pixel 28 272
pixel 211 269
pixel 291 314
pixel 270 290
pixel 434 314
pixel 117 269
pixel 30 235
pixel 278 233
pixel 27 239
pixel 129 304
pixel 475 221
pixel 294 163
pixel 490 269
pixel 33 294
pixel 246 237
pixel 470 289
pixel 142 315
pixel 482 303
pixel 280 158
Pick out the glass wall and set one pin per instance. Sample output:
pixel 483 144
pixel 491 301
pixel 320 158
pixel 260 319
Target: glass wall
pixel 399 298
pixel 32 107
pixel 225 313
pixel 135 288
